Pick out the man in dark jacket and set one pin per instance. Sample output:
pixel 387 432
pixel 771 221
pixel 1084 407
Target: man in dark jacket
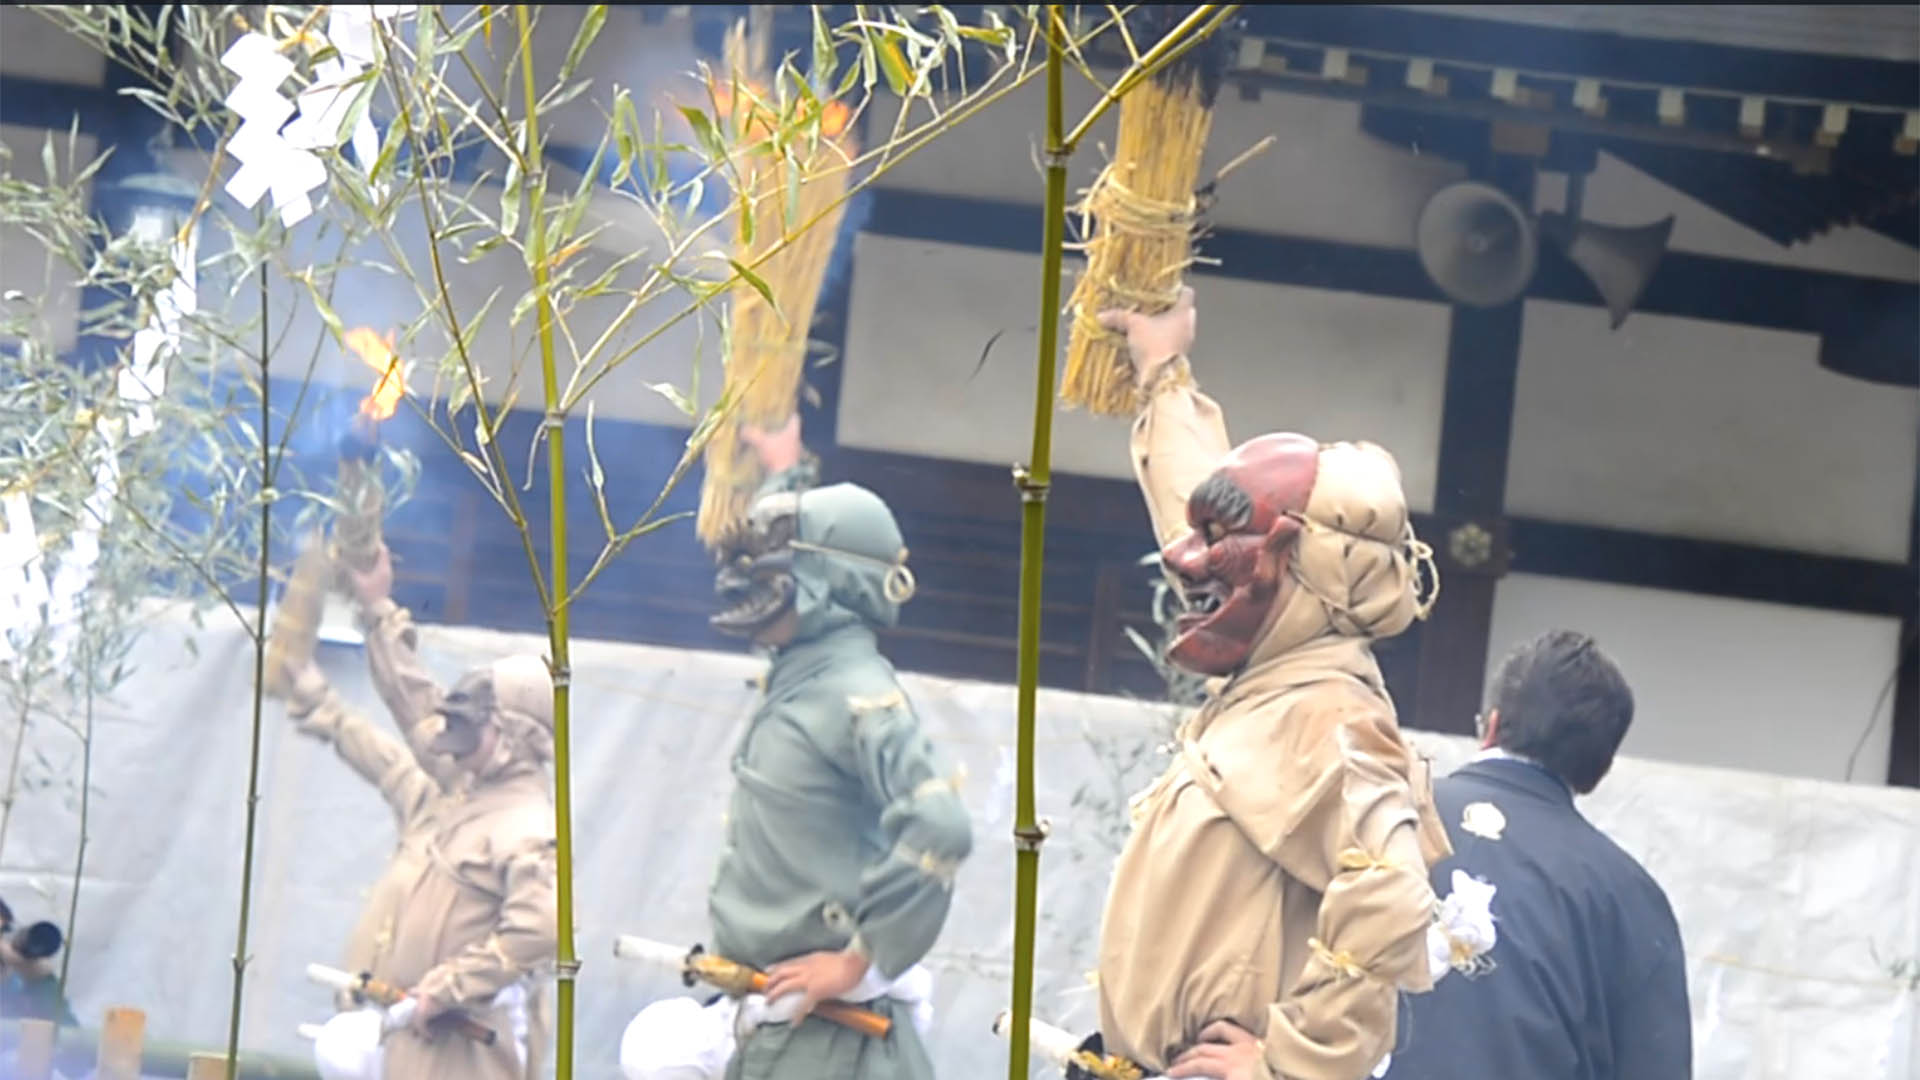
pixel 1588 980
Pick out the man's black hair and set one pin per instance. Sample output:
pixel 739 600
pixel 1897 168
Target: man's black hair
pixel 1563 704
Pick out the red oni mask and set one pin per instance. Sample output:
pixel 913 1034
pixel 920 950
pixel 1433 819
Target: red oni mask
pixel 1232 567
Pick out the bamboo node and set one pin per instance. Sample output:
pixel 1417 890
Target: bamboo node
pixel 566 970
pixel 1030 837
pixel 553 420
pixel 1031 490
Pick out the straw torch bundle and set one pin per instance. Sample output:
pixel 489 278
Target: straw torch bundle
pixel 782 184
pixel 1143 212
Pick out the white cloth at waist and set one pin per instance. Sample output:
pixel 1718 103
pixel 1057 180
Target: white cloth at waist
pixel 678 1039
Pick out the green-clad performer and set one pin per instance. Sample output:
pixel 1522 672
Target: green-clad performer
pixel 846 826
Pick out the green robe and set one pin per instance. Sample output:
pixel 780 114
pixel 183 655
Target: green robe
pixel 846 827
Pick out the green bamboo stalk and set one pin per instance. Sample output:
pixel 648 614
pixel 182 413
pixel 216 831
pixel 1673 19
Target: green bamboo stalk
pixel 567 964
pixel 259 684
pixel 1033 482
pixel 86 801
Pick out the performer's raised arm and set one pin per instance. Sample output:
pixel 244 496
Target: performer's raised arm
pixel 379 758
pixel 1180 435
pixel 410 692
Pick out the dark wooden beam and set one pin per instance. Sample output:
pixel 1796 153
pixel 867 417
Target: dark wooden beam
pixel 1903 750
pixel 1594 54
pixel 1685 284
pixel 1470 495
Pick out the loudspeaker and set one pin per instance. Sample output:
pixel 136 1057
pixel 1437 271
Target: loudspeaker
pixel 1619 261
pixel 1477 244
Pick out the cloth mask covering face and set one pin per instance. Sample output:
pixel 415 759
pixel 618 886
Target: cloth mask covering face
pixel 755 582
pixel 464 714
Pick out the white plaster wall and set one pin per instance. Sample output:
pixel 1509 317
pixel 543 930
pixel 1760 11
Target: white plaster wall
pixel 33 46
pixel 25 264
pixel 1708 430
pixel 1333 365
pixel 1729 683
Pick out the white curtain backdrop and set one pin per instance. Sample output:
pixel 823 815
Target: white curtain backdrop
pixel 1800 900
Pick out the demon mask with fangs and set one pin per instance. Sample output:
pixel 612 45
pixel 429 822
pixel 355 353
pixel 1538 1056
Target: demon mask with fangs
pixel 755 582
pixel 1232 568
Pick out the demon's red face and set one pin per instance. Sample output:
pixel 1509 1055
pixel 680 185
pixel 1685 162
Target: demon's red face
pixel 1232 567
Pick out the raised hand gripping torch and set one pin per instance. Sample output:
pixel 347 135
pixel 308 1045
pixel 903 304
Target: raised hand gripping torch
pixel 697 965
pixel 367 988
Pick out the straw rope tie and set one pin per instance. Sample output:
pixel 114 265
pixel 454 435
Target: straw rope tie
pixel 899 585
pixel 1417 552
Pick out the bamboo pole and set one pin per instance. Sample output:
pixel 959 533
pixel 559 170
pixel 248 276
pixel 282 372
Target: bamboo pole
pixel 259 688
pixel 567 964
pixel 1033 481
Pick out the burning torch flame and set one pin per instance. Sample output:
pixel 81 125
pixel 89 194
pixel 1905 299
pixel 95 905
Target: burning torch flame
pixel 377 353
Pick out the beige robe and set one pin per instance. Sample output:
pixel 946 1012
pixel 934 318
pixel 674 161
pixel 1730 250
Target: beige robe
pixel 495 838
pixel 1276 875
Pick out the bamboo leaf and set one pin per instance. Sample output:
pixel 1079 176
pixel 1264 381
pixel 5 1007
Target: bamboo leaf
pixel 824 59
pixel 562 96
pixel 626 144
pixel 478 250
pixel 703 130
pixel 590 24
pixel 672 393
pixel 856 74
pixel 753 279
pixel 510 197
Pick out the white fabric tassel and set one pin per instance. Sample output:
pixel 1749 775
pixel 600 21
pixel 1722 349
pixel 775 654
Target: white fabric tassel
pixel 1462 932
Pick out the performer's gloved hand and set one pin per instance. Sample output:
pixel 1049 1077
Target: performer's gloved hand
pixel 817 977
pixel 308 685
pixel 1154 341
pixel 376 583
pixel 778 450
pixel 1226 1051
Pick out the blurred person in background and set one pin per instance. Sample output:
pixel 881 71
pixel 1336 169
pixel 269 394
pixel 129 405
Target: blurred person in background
pixel 1588 980
pixel 29 983
pixel 464 915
